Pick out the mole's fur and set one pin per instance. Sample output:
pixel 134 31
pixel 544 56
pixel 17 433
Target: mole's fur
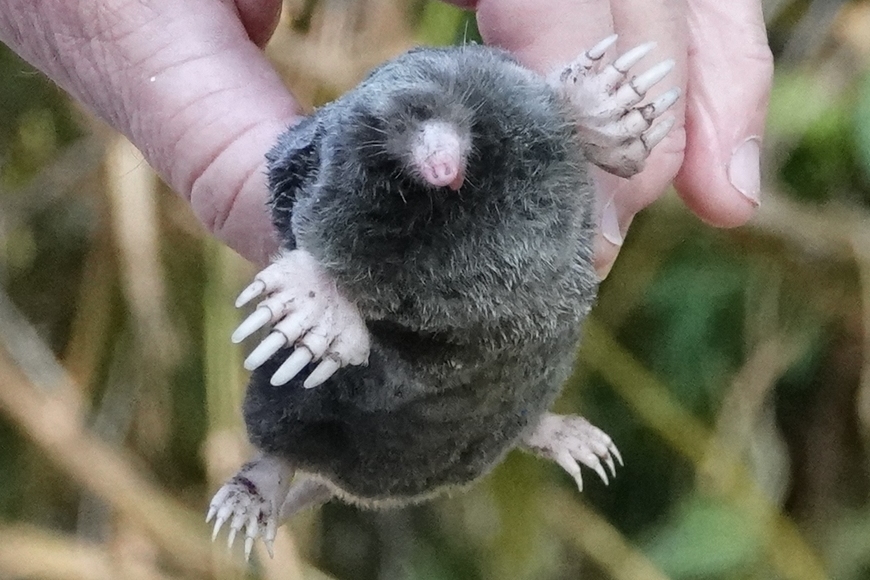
pixel 473 298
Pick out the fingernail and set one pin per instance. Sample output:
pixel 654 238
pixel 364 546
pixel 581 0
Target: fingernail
pixel 744 171
pixel 610 230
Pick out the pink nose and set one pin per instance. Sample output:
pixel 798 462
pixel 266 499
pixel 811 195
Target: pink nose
pixel 438 154
pixel 443 169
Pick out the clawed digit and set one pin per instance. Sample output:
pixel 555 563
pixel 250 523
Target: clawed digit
pixel 244 508
pixel 571 441
pixel 588 61
pixel 251 502
pixel 614 75
pixel 307 311
pixel 617 132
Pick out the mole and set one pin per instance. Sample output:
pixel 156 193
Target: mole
pixel 436 226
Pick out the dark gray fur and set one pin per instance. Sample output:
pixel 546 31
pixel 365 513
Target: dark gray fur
pixel 473 299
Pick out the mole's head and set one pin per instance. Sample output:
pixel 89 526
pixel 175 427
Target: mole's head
pixel 427 132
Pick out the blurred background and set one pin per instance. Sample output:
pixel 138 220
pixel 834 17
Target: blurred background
pixel 732 368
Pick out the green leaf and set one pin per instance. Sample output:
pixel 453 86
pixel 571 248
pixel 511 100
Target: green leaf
pixel 705 538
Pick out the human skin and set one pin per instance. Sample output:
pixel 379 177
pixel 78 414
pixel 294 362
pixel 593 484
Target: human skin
pixel 724 65
pixel 188 84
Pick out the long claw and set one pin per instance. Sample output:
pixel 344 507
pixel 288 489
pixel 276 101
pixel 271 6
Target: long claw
pixel 569 464
pixel 264 351
pixel 599 469
pixel 291 367
pixel 661 104
pixel 249 544
pixel 212 510
pixel 270 547
pixel 224 514
pixel 613 75
pixel 218 524
pixel 320 374
pixel 643 82
pixel 615 452
pixel 633 56
pixel 597 51
pixel 271 532
pixel 231 538
pixel 257 320
pixel 256 288
pixel 610 465
pixel 656 133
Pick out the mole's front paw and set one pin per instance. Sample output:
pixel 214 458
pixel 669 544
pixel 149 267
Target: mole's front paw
pixel 567 439
pixel 617 132
pixel 251 501
pixel 309 312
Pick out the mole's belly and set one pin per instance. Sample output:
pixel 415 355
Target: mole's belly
pixel 411 444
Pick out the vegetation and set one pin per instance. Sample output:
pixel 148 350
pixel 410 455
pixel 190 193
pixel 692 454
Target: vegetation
pixel 731 367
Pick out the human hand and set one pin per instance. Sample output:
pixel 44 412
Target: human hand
pixel 723 65
pixel 186 82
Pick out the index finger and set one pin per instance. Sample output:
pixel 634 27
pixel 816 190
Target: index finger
pixel 544 35
pixel 636 22
pixel 731 70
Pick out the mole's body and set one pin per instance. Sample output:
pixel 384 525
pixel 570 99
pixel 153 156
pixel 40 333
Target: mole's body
pixel 473 298
pixel 437 230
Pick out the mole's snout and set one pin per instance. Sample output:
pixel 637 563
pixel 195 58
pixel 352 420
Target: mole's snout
pixel 438 155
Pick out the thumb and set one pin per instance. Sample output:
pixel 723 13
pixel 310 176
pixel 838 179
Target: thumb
pixel 729 79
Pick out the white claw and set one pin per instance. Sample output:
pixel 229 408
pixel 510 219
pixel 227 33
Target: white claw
pixel 615 452
pixel 248 501
pixel 572 441
pixel 633 56
pixel 599 469
pixel 212 510
pixel 662 103
pixel 291 367
pixel 643 82
pixel 264 351
pixel 610 465
pixel 569 464
pixel 304 307
pixel 658 131
pixel 224 513
pixel 269 536
pixel 256 288
pixel 320 374
pixel 597 51
pixel 218 524
pixel 257 320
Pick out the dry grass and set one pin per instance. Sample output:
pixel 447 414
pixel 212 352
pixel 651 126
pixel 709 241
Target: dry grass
pixel 116 419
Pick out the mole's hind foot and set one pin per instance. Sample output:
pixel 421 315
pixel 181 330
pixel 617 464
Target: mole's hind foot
pixel 307 311
pixel 567 439
pixel 616 131
pixel 252 501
